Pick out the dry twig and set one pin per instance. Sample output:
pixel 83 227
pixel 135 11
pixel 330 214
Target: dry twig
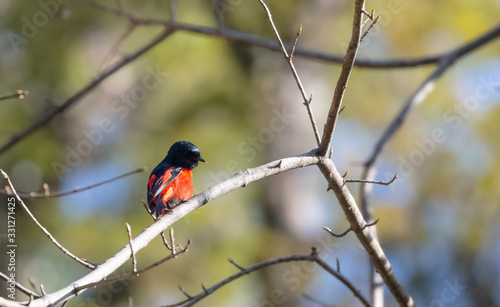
pixel 85 263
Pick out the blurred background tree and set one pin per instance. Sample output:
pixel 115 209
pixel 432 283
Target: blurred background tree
pixel 240 106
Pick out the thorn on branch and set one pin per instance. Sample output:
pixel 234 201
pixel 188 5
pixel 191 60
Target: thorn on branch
pixel 236 265
pixel 330 154
pixel 342 109
pixel 314 252
pixel 205 289
pixel 185 293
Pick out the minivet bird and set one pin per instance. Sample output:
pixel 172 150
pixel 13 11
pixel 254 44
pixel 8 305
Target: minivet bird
pixel 171 181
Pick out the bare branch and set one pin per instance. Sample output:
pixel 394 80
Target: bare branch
pixel 346 232
pixel 173 10
pixel 369 28
pixel 134 261
pixel 85 263
pixel 347 66
pixel 130 275
pixel 20 287
pixel 310 298
pixel 374 182
pixel 244 38
pixel 341 278
pixel 191 300
pixel 53 112
pixel 240 179
pixel 20 94
pixel 365 237
pixel 236 265
pixel 288 58
pixel 162 234
pixel 47 194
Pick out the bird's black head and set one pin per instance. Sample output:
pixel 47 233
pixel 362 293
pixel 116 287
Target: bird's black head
pixel 184 154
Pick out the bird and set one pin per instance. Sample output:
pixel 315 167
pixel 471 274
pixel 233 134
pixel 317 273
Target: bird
pixel 171 181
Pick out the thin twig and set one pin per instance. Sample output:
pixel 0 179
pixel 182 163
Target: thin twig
pixel 369 15
pixel 313 257
pixel 85 263
pixel 369 28
pixel 288 58
pixel 341 278
pixel 292 50
pixel 252 40
pixel 236 265
pixel 172 240
pixel 348 230
pixel 310 298
pixel 185 293
pixel 20 94
pixel 53 112
pixel 20 287
pixel 173 10
pixel 131 275
pixel 114 48
pixel 134 260
pixel 162 234
pixel 47 194
pixel 341 86
pixel 374 182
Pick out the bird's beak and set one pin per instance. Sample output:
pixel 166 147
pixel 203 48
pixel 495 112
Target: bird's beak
pixel 201 159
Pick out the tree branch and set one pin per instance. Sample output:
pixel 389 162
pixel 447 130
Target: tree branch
pixel 358 226
pixel 83 262
pixel 313 257
pixel 253 40
pixel 343 78
pixel 20 287
pixel 289 60
pixel 35 195
pixel 240 179
pixel 45 119
pixel 369 170
pixel 17 94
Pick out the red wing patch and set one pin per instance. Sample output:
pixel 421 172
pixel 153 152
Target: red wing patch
pixel 170 189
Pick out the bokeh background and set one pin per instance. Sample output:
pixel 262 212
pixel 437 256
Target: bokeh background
pixel 240 105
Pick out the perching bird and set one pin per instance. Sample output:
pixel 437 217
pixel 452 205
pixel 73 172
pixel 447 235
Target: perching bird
pixel 171 182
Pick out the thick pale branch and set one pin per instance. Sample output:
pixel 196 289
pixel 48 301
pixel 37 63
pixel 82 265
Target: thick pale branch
pixel 358 226
pixel 340 88
pixel 241 179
